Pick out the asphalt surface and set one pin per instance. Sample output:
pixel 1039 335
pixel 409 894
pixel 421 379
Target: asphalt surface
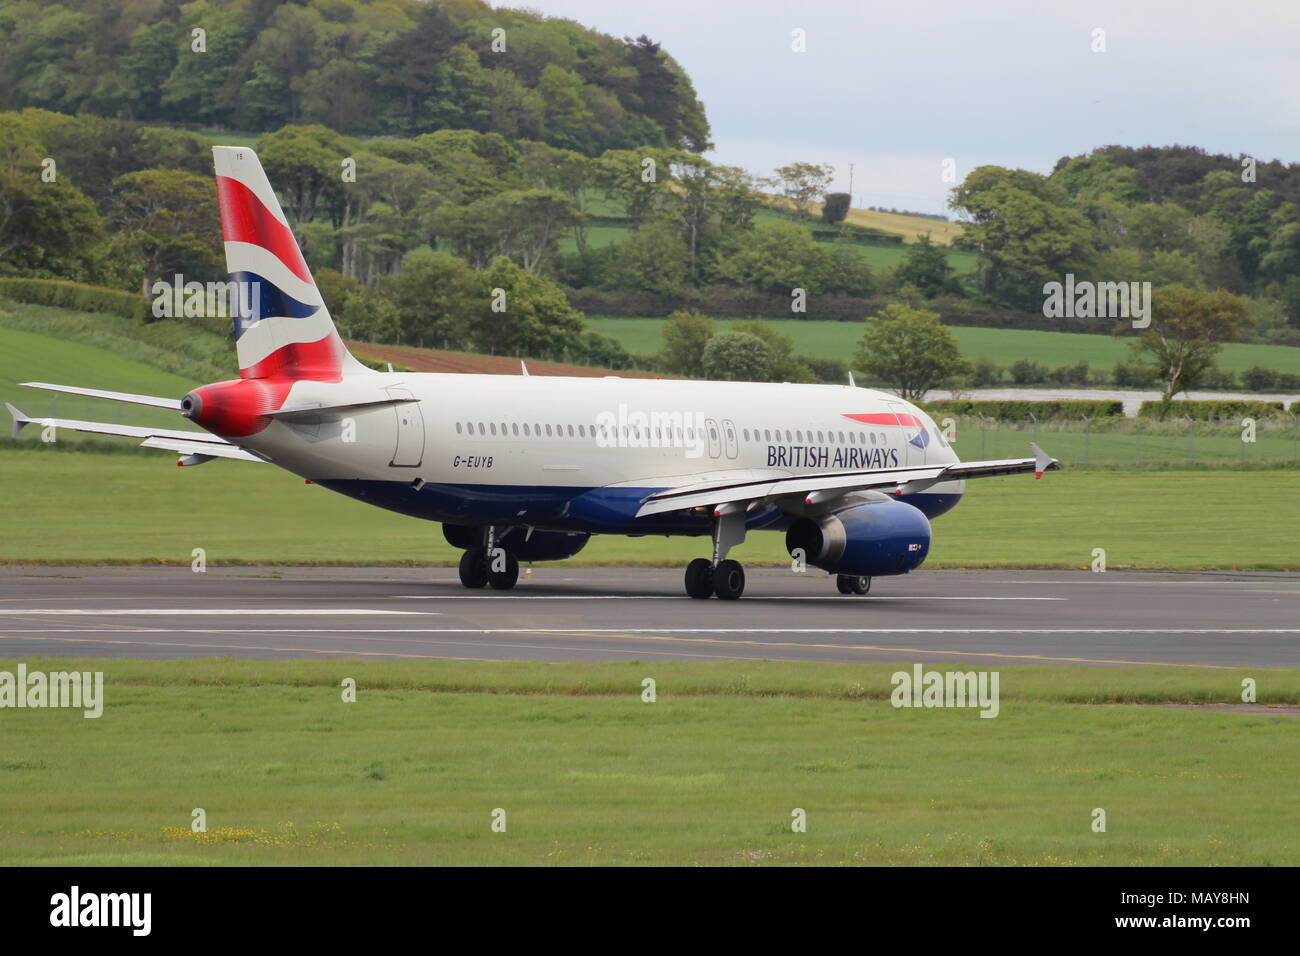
pixel 558 614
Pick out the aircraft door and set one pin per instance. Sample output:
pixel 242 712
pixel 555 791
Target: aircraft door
pixel 908 454
pixel 729 441
pixel 409 451
pixel 715 442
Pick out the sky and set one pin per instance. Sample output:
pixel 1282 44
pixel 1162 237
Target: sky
pixel 897 88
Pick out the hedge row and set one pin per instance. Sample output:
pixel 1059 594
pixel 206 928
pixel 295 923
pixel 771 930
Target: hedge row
pixel 721 301
pixel 75 295
pixel 1209 410
pixel 1019 410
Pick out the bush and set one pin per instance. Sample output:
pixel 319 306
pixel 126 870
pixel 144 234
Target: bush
pixel 1076 374
pixel 836 207
pixel 986 372
pixel 1259 379
pixel 1019 410
pixel 828 370
pixel 1028 372
pixel 738 356
pixel 1210 410
pixel 77 296
pixel 1134 375
pixel 1219 378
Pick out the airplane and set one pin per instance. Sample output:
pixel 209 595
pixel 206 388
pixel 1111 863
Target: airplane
pixel 528 468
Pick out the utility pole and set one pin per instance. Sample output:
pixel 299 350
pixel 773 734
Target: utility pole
pixel 851 165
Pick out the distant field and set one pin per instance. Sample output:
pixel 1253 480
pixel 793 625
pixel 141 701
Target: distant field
pixel 878 257
pixel 825 339
pixel 586 773
pixel 75 506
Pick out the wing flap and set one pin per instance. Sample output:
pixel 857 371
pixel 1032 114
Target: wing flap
pixel 903 480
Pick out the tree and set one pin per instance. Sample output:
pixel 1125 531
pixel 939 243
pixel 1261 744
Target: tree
pixel 802 183
pixel 536 319
pixel 925 266
pixel 686 335
pixel 776 257
pixel 1024 232
pixel 836 207
pixel 167 221
pixel 785 365
pixel 1186 331
pixel 909 350
pixel 737 357
pixel 437 299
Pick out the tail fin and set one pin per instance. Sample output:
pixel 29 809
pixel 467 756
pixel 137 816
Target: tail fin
pixel 282 327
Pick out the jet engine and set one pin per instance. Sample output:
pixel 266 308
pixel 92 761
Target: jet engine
pixel 872 538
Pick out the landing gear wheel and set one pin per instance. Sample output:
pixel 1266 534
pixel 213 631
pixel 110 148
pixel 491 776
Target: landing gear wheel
pixel 852 583
pixel 699 578
pixel 474 568
pixel 729 580
pixel 503 580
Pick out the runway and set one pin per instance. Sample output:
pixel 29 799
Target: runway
pixel 1002 617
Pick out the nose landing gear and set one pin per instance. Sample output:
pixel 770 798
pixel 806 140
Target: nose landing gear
pixel 489 565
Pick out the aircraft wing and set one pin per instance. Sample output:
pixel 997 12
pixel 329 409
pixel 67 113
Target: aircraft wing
pixel 901 481
pixel 196 446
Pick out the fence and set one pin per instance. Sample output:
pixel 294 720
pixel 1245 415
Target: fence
pixel 1132 441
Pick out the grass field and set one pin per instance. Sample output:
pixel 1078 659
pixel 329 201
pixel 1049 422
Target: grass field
pixel 72 506
pixel 587 773
pixel 826 339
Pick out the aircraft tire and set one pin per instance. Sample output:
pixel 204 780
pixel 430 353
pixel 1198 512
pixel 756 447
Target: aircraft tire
pixel 474 568
pixel 503 580
pixel 699 578
pixel 729 580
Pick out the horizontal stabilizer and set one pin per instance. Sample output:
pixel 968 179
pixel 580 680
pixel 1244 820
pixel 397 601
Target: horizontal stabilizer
pixel 173 403
pixel 171 439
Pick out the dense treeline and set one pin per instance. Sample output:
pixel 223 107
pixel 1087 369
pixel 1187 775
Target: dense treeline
pixel 364 67
pixel 1172 215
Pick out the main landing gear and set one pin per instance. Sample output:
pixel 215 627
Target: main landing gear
pixel 489 564
pixel 721 576
pixel 852 583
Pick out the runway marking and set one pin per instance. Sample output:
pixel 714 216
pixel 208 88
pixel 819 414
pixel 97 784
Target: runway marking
pixel 249 647
pixel 678 597
pixel 203 611
pixel 763 645
pixel 685 630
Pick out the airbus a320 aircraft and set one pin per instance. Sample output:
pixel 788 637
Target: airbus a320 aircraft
pixel 529 467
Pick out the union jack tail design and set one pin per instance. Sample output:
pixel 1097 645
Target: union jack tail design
pixel 282 328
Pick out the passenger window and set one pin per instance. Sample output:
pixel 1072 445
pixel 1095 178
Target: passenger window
pixel 548 431
pixel 458 428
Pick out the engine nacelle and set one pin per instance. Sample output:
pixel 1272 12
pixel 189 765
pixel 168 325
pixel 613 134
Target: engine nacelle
pixel 539 546
pixel 873 538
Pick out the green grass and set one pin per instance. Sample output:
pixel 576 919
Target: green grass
pixel 826 339
pixel 587 773
pixel 72 506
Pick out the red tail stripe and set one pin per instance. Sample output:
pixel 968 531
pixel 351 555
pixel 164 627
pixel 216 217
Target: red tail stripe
pixel 320 361
pixel 887 418
pixel 244 218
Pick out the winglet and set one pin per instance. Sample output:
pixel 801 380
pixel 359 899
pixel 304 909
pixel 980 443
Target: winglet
pixel 1042 461
pixel 20 420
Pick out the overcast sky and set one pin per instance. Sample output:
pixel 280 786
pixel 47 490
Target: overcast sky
pixel 898 87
